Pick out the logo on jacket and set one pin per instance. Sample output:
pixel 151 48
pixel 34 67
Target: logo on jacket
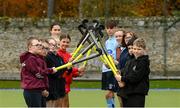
pixel 134 68
pixel 23 64
pixel 38 75
pixel 110 51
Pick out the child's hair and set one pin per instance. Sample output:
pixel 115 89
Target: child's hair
pixel 30 39
pixel 49 39
pixel 44 41
pixel 53 24
pixel 124 32
pixel 131 41
pixel 123 43
pixel 140 42
pixel 63 35
pixel 131 33
pixel 111 24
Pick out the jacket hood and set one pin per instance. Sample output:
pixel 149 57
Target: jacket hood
pixel 145 58
pixel 24 56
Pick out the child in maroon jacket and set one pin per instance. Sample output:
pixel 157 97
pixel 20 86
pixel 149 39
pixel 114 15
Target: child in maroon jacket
pixel 34 72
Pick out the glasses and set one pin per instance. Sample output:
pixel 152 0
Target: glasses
pixel 45 48
pixel 38 45
pixel 51 44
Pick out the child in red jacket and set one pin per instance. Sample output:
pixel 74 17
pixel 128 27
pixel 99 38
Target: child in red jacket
pixel 62 52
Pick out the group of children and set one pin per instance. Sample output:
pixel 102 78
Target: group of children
pixel 43 85
pixel 132 81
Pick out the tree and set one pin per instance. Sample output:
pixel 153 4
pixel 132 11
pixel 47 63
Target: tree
pixel 50 8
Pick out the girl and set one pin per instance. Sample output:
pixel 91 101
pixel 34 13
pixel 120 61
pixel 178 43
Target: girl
pixel 56 81
pixel 124 51
pixel 55 31
pixel 62 52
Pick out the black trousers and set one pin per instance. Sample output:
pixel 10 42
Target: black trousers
pixel 34 98
pixel 134 100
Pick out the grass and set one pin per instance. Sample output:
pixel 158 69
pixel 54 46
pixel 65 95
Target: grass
pixel 95 98
pixel 97 84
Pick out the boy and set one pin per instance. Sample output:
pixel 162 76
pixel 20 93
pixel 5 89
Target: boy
pixel 34 72
pixel 108 79
pixel 135 75
pixel 130 55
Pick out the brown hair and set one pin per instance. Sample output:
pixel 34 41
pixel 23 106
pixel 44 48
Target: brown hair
pixel 131 41
pixel 53 24
pixel 123 38
pixel 44 41
pixel 63 35
pixel 131 33
pixel 111 24
pixel 140 42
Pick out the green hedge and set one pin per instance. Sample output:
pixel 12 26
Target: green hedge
pixel 97 84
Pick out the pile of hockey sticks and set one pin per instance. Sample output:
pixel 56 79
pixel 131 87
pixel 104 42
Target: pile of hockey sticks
pixel 91 34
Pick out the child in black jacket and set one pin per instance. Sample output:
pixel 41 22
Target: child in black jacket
pixel 135 76
pixel 56 81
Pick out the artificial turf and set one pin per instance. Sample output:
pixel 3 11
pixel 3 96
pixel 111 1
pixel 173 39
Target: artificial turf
pixel 97 84
pixel 94 98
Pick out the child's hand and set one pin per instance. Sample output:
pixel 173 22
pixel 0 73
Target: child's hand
pixel 71 59
pixel 121 84
pixel 116 62
pixel 81 74
pixel 81 71
pixel 107 66
pixel 118 77
pixel 45 93
pixel 54 70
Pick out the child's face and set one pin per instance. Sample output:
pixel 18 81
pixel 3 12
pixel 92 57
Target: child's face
pixel 118 35
pixel 44 50
pixel 52 45
pixel 35 46
pixel 130 49
pixel 64 43
pixel 138 51
pixel 110 31
pixel 56 30
pixel 127 37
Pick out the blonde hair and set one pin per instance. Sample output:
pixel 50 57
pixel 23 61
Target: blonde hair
pixel 29 41
pixel 49 39
pixel 140 42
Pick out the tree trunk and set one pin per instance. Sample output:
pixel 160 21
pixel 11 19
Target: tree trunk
pixel 80 8
pixel 50 8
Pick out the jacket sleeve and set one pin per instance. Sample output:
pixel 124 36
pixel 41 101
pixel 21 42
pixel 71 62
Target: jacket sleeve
pixel 33 66
pixel 50 63
pixel 75 72
pixel 136 73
